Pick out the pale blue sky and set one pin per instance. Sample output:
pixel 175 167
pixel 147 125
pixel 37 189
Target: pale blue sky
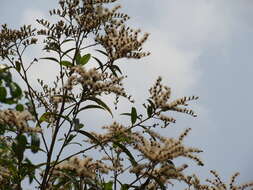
pixel 200 47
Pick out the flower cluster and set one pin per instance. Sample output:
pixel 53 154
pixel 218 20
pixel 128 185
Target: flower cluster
pixel 164 148
pixel 157 149
pixel 156 153
pixel 18 119
pixel 86 167
pixel 95 83
pixel 54 30
pixel 10 37
pixel 164 173
pixel 52 96
pixel 217 183
pixel 159 98
pixel 161 94
pixel 122 42
pixel 116 163
pixel 94 16
pixel 114 131
pixel 88 16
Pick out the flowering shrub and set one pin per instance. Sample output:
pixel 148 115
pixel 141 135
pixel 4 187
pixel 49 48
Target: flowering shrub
pixel 135 150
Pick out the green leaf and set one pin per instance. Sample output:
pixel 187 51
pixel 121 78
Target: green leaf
pixel 149 111
pixel 130 115
pixel 77 124
pixel 10 101
pixel 3 94
pixel 61 139
pixel 67 51
pixel 4 68
pixel 170 162
pixel 78 58
pixel 15 90
pixel 124 187
pixel 108 185
pixel 85 59
pixel 127 114
pixel 151 103
pixel 35 143
pixel 66 63
pixel 99 62
pixel 5 75
pixel 45 117
pixel 67 40
pixel 70 138
pixel 100 51
pixel 87 134
pixel 18 67
pixel 115 68
pixel 113 71
pixel 75 143
pixel 128 153
pixel 2 129
pixel 90 107
pixel 28 170
pixel 101 103
pixel 133 115
pixel 51 58
pixel 19 147
pixel 19 107
pixel 31 176
pixel 52 38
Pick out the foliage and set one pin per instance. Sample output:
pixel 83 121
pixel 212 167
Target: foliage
pixel 134 149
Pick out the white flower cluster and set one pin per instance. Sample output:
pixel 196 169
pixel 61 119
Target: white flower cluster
pixel 165 148
pixel 122 42
pixel 164 173
pixel 217 183
pixel 85 167
pixel 94 16
pixel 160 95
pixel 18 119
pixel 51 97
pixel 115 130
pixel 95 83
pixel 159 150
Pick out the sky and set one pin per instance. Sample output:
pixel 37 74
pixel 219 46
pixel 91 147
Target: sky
pixel 199 47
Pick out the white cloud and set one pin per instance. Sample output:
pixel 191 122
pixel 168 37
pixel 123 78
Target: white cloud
pixel 30 15
pixel 175 65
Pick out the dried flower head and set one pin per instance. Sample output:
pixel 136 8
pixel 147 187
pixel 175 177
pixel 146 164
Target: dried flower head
pixel 216 183
pixel 122 42
pixel 95 83
pixel 11 37
pixel 19 120
pixel 160 95
pixel 164 148
pixel 85 167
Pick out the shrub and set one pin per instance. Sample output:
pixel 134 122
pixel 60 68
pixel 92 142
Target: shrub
pixel 134 149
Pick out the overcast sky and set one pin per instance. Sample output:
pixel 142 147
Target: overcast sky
pixel 199 47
